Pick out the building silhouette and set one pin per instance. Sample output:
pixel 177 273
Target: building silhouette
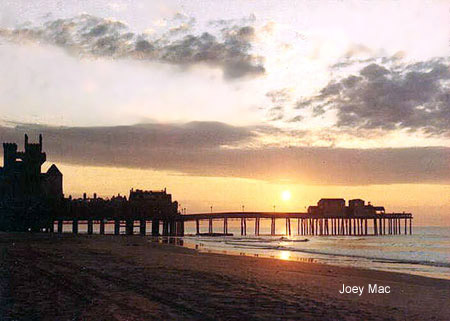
pixel 21 177
pixel 336 207
pixel 28 197
pixel 32 200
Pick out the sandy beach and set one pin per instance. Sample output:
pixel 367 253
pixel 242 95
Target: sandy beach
pixel 51 277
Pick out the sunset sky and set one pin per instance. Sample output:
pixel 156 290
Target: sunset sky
pixel 231 103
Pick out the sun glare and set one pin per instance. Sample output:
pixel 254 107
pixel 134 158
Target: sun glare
pixel 286 195
pixel 285 255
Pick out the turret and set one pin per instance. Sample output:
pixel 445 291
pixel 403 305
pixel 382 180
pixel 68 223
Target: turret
pixel 9 156
pixel 33 157
pixel 32 160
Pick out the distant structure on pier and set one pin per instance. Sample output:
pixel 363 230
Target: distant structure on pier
pixel 139 204
pixel 336 207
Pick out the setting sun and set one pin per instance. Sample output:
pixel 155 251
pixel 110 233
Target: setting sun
pixel 286 195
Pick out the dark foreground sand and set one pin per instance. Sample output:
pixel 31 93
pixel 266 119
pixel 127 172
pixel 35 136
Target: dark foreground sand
pixel 50 277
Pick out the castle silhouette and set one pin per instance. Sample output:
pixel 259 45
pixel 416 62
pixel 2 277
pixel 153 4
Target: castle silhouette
pixel 32 200
pixel 21 177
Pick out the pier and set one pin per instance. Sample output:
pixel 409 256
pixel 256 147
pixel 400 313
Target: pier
pixel 300 224
pixel 310 224
pixel 155 227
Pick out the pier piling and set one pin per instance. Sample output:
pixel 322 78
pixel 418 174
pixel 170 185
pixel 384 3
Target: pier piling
pixel 257 226
pixel 225 226
pixel 75 226
pixel 116 227
pixel 165 228
pixel 142 227
pixel 210 226
pixel 90 227
pixel 102 227
pixel 272 226
pixel 288 226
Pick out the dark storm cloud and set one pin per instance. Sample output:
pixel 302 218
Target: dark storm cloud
pixel 412 97
pixel 197 149
pixel 90 35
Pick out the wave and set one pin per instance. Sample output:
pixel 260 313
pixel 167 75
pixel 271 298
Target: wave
pixel 247 245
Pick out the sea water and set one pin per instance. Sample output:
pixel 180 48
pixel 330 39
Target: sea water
pixel 426 252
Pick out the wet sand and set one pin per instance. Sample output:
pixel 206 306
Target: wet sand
pixel 51 277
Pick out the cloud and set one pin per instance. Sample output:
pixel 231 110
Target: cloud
pixel 358 49
pixel 279 99
pixel 248 20
pixel 279 96
pixel 296 119
pixel 199 148
pixel 88 35
pixel 413 97
pixel 195 134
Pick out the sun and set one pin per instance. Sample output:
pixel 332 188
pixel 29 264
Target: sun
pixel 286 195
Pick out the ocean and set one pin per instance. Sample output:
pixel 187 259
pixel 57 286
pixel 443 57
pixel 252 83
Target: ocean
pixel 426 252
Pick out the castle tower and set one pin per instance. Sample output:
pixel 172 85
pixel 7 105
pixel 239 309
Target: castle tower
pixel 9 157
pixel 32 160
pixel 33 157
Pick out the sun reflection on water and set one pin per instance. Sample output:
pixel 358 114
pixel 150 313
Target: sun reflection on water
pixel 285 255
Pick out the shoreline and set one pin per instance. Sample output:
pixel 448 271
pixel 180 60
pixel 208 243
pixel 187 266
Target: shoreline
pixel 253 252
pixel 129 278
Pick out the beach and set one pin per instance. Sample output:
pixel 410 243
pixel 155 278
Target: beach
pixel 81 277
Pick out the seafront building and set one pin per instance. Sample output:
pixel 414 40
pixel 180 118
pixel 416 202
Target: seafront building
pixel 32 200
